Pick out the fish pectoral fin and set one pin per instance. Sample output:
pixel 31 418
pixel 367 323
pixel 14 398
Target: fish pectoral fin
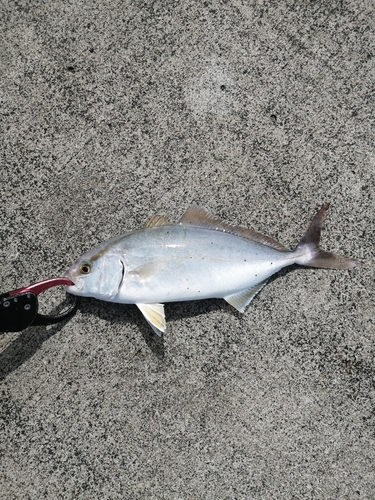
pixel 154 315
pixel 146 271
pixel 242 299
pixel 157 220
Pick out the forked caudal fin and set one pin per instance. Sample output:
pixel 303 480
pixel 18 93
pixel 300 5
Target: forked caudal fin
pixel 312 256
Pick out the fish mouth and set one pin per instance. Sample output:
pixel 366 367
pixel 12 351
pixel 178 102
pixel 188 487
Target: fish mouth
pixel 76 287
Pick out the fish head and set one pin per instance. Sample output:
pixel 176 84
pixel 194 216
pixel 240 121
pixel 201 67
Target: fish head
pixel 98 273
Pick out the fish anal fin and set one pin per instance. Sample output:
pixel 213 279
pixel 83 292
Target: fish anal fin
pixel 157 220
pixel 242 299
pixel 154 315
pixel 198 216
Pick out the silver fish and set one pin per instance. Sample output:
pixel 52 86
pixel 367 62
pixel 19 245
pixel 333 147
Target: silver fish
pixel 200 257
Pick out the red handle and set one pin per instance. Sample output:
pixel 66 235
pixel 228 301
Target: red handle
pixel 39 287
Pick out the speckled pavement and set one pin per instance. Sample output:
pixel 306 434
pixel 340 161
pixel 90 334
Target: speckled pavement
pixel 114 111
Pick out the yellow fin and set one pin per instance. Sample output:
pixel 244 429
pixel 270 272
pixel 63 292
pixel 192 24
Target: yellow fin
pixel 154 315
pixel 157 220
pixel 242 299
pixel 198 216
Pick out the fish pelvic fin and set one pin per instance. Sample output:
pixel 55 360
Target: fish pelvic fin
pixel 154 315
pixel 241 300
pixel 312 255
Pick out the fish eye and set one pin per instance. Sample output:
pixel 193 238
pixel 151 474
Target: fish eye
pixel 85 267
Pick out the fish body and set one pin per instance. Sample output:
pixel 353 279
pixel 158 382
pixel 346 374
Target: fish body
pixel 200 257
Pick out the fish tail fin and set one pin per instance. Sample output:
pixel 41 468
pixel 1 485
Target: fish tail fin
pixel 312 256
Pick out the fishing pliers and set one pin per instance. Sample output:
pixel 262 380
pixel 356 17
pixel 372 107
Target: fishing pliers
pixel 19 308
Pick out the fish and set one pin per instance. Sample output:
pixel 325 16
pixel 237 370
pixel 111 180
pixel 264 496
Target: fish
pixel 200 257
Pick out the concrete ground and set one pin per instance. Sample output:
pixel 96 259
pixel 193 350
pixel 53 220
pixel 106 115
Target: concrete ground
pixel 112 111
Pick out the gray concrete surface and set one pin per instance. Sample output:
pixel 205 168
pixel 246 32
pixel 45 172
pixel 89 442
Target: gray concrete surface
pixel 112 111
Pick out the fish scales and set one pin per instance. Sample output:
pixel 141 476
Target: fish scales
pixel 174 263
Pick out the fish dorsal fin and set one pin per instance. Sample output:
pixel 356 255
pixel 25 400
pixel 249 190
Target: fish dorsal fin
pixel 242 299
pixel 154 315
pixel 198 216
pixel 157 220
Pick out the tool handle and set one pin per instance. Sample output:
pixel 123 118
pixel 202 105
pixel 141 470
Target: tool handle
pixel 19 308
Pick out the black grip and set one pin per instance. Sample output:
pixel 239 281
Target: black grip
pixel 17 312
pixel 20 311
